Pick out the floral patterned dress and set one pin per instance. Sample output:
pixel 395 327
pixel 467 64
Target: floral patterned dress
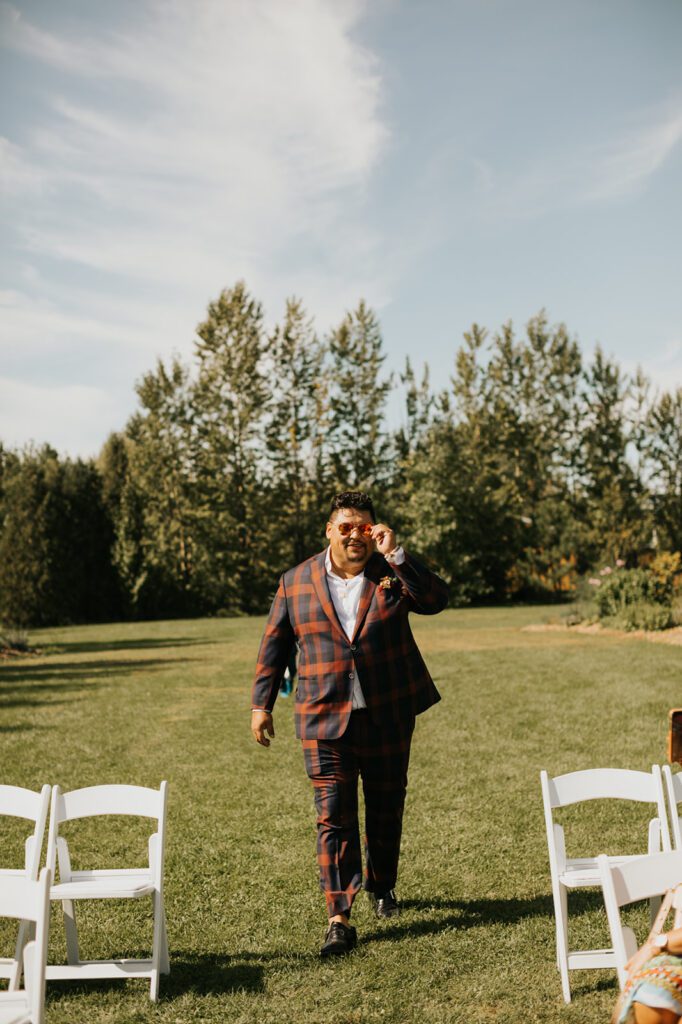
pixel 658 983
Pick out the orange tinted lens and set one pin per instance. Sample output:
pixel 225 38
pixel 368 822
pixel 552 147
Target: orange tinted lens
pixel 365 529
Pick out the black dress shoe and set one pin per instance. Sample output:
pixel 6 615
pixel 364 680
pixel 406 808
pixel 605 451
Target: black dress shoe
pixel 385 905
pixel 339 940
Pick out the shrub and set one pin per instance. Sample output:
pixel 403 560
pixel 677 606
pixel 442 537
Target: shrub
pixel 15 640
pixel 643 615
pixel 637 598
pixel 665 570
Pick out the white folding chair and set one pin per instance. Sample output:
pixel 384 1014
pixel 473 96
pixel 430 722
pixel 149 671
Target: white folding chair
pixel 579 872
pixel 27 900
pixel 639 879
pixel 122 883
pixel 673 785
pixel 16 802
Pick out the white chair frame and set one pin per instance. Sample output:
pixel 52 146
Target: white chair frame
pixel 673 785
pixel 27 900
pixel 640 879
pixel 579 872
pixel 17 802
pixel 126 883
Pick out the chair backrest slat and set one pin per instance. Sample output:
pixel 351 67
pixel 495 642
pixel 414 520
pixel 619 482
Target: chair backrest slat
pixel 17 802
pixel 644 877
pixel 98 800
pixel 602 784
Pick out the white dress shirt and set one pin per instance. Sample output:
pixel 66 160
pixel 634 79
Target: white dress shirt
pixel 345 595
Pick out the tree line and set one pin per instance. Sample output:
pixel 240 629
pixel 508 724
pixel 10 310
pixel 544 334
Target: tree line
pixel 529 467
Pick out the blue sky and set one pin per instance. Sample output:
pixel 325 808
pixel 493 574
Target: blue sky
pixel 449 161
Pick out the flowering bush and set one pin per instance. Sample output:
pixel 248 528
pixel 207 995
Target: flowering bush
pixel 637 598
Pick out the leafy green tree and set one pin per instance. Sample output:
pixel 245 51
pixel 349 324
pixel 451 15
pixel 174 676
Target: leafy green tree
pixel 532 425
pixel 26 597
pixel 497 463
pixel 55 543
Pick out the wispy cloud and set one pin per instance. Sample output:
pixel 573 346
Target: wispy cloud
pixel 238 124
pixel 611 170
pixel 624 166
pixel 203 143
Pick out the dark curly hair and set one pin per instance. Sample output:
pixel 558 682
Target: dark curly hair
pixel 352 499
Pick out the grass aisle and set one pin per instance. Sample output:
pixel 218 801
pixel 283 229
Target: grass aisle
pixel 140 702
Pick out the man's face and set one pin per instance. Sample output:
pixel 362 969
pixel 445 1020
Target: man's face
pixel 353 549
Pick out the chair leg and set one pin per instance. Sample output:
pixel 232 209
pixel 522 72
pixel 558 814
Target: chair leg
pixel 561 920
pixel 157 944
pixel 165 959
pixel 71 930
pixel 23 936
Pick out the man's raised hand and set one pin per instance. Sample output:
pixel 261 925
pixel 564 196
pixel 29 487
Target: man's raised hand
pixel 384 538
pixel 262 723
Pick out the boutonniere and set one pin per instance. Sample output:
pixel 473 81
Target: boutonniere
pixel 386 582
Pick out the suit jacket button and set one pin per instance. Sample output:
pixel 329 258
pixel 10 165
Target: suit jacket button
pixel 351 675
pixel 353 647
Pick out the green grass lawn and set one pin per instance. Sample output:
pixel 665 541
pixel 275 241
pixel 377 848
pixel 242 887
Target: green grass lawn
pixel 141 702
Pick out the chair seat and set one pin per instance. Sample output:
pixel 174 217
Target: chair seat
pixel 100 969
pixel 103 885
pixel 14 1008
pixel 584 871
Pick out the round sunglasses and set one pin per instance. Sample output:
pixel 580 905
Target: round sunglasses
pixel 364 529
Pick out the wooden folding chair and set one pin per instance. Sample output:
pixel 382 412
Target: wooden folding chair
pixel 107 884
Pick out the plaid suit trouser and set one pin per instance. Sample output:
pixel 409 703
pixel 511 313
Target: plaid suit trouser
pixel 380 756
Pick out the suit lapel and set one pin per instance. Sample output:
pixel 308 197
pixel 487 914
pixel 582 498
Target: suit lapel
pixel 318 575
pixel 369 587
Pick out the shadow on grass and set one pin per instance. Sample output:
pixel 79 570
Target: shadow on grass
pixel 28 702
pixel 68 674
pixel 206 975
pixel 477 913
pixel 201 975
pixel 99 646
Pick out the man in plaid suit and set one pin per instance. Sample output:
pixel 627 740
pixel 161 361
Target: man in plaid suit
pixel 361 683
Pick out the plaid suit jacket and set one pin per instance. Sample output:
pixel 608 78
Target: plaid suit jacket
pixel 394 679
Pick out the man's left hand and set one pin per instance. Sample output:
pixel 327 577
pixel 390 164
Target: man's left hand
pixel 384 538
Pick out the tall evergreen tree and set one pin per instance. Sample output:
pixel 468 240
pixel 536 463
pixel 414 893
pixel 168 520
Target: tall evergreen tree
pixel 230 405
pixel 298 471
pixel 664 451
pixel 55 543
pixel 360 446
pixel 155 526
pixel 616 506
